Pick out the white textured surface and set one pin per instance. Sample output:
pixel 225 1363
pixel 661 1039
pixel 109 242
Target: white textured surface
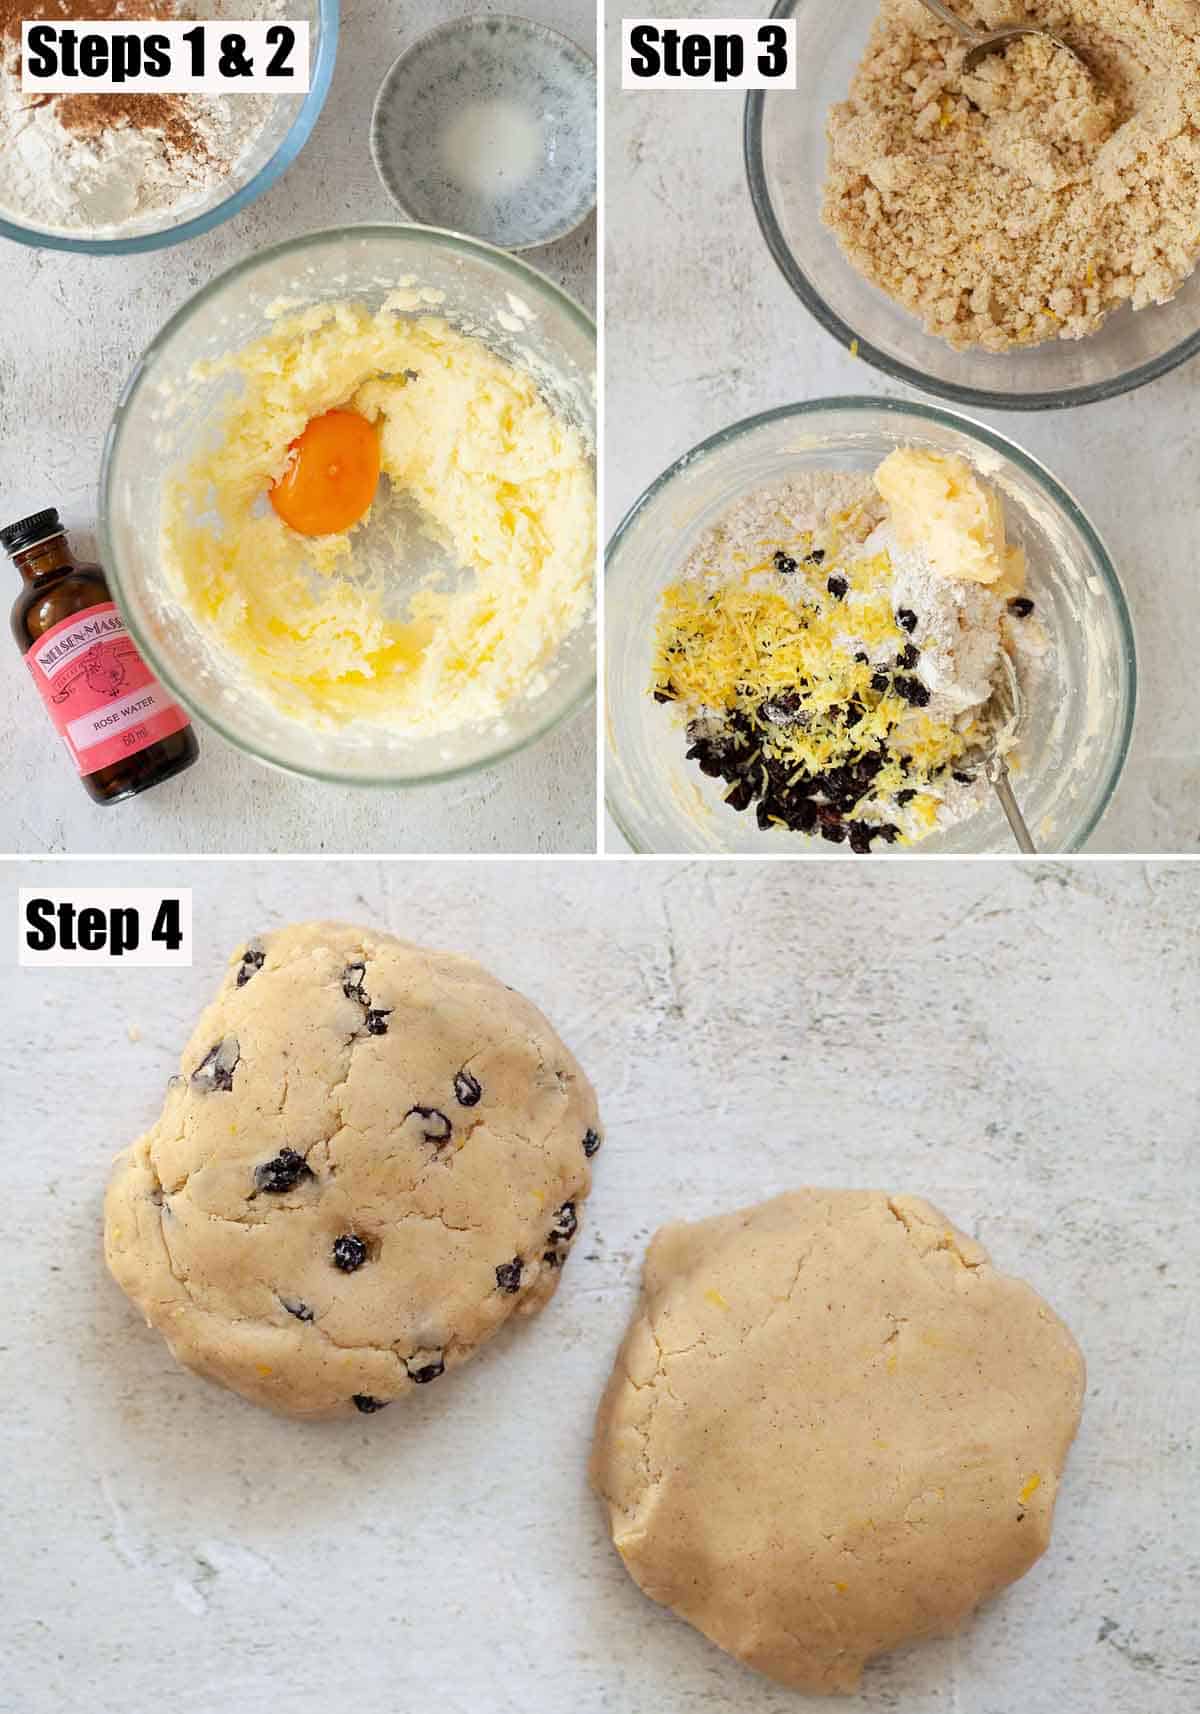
pixel 704 330
pixel 1016 1042
pixel 71 329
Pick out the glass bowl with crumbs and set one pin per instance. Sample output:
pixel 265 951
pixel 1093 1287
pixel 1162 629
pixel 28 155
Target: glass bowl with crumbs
pixel 1016 237
pixel 807 623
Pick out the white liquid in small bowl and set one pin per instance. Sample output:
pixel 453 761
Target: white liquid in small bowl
pixel 492 147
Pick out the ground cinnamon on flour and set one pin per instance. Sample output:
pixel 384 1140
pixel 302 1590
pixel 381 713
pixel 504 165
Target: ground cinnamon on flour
pixel 97 163
pixel 91 115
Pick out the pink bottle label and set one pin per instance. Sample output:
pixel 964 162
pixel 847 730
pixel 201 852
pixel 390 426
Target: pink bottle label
pixel 99 691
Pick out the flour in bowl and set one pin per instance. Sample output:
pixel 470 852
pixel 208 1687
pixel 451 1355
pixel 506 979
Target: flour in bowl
pixel 93 166
pixel 833 644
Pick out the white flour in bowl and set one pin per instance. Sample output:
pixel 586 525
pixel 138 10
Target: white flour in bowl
pixel 824 669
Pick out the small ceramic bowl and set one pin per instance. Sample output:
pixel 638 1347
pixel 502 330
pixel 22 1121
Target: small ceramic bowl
pixel 487 125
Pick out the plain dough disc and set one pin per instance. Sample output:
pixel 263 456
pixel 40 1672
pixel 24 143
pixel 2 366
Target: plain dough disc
pixel 832 1427
pixel 372 1157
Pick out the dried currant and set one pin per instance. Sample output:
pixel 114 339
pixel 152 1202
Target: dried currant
pixel 282 1173
pixel 377 1021
pixel 215 1070
pixel 860 838
pixel 467 1089
pixel 785 565
pixel 295 1307
pixel 591 1142
pixel 252 962
pixel 367 1405
pixel 1020 606
pixel 782 710
pixel 914 692
pixel 907 620
pixel 349 1252
pixel 837 587
pixel 711 764
pixel 437 1128
pixel 508 1275
pixel 352 983
pixel 427 1372
pixel 566 1223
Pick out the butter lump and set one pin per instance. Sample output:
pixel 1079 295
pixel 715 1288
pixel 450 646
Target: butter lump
pixel 939 507
pixel 337 629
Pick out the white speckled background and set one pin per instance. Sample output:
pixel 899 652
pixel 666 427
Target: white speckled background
pixel 1017 1042
pixel 704 330
pixel 71 329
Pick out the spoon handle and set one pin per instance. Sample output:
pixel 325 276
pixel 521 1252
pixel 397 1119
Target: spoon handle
pixel 1008 803
pixel 965 32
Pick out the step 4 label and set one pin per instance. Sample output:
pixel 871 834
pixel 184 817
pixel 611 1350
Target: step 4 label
pixel 99 926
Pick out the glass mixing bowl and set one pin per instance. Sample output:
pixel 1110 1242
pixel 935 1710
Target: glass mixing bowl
pixel 1076 731
pixel 164 415
pixel 786 162
pixel 274 149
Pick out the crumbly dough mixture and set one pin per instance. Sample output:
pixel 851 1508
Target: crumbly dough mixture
pixel 501 482
pixel 373 1156
pixel 833 643
pixel 1028 200
pixel 833 1426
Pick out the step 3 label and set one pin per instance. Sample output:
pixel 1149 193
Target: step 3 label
pixel 110 926
pixel 708 53
pixel 258 57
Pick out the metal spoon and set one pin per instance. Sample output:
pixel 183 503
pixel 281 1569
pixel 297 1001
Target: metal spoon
pixel 981 43
pixel 1007 709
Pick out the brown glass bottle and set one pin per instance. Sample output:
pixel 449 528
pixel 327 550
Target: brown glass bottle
pixel 122 730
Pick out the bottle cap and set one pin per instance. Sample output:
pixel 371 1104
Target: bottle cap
pixel 26 532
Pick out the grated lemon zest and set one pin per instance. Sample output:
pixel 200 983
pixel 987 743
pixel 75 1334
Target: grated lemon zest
pixel 743 644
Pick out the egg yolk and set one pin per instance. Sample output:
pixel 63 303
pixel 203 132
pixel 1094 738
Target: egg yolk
pixel 332 475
